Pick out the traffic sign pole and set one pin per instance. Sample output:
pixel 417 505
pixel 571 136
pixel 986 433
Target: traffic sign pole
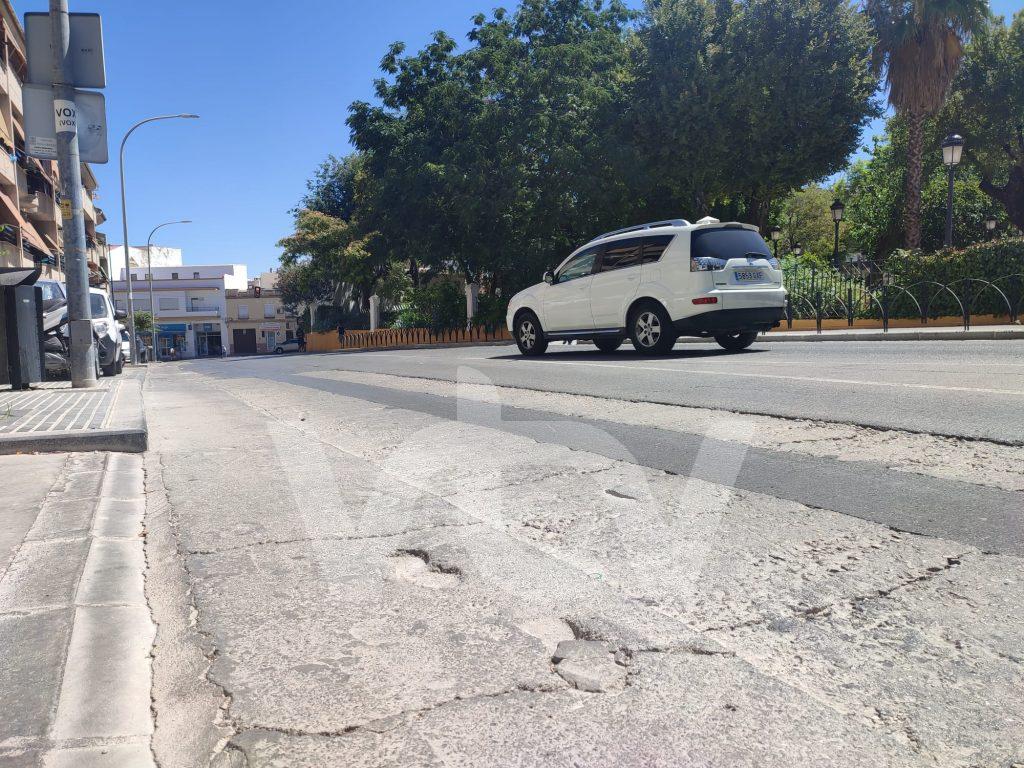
pixel 76 268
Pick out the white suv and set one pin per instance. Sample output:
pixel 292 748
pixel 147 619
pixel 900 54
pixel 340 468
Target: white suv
pixel 654 283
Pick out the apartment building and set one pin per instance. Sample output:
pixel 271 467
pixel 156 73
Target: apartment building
pixel 191 306
pixel 31 229
pixel 257 318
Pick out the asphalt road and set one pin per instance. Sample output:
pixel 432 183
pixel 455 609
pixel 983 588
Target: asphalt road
pixel 376 572
pixel 971 389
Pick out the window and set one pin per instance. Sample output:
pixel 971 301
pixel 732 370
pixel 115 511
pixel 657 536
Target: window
pixel 121 305
pixel 654 247
pixel 195 275
pixel 149 276
pixel 727 243
pixel 167 303
pixel 98 305
pixel 269 310
pixel 581 265
pixel 174 275
pixel 243 311
pixel 621 254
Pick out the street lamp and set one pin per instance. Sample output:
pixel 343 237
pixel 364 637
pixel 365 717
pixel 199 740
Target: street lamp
pixel 837 209
pixel 124 221
pixel 775 233
pixel 149 273
pixel 797 250
pixel 952 151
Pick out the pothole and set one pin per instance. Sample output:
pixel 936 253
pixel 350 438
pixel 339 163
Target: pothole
pixel 415 566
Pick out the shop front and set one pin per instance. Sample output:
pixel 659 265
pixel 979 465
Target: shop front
pixel 172 341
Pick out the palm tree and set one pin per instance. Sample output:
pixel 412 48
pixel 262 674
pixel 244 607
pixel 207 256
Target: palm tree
pixel 918 49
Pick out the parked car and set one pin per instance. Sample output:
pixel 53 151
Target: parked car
pixel 288 345
pixel 653 283
pixel 108 336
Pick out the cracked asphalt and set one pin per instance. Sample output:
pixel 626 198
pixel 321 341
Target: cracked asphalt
pixel 372 560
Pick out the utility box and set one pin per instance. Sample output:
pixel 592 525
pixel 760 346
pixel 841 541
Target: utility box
pixel 22 323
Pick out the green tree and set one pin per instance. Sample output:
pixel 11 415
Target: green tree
pixel 873 192
pixel 919 47
pixel 144 322
pixel 987 104
pixel 805 218
pixel 737 102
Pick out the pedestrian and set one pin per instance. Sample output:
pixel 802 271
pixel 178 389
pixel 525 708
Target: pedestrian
pixel 341 332
pixel 301 335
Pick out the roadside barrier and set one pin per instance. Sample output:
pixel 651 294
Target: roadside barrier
pixel 402 337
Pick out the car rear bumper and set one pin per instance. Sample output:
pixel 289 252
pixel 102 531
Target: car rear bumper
pixel 730 321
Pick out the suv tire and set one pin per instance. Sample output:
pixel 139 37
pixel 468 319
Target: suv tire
pixel 529 335
pixel 736 342
pixel 651 330
pixel 608 344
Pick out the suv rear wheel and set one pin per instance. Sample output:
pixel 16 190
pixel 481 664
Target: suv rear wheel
pixel 529 335
pixel 650 329
pixel 608 344
pixel 736 342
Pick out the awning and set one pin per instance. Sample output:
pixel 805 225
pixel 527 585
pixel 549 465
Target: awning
pixel 28 232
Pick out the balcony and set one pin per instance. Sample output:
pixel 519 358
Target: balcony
pixel 8 173
pixel 39 206
pixel 203 309
pixel 88 208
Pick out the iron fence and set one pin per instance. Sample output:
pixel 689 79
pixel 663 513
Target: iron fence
pixel 868 290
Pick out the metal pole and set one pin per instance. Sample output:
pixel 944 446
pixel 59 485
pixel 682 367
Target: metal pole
pixel 835 253
pixel 949 210
pixel 83 362
pixel 149 271
pixel 124 225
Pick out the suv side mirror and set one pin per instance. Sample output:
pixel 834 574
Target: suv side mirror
pixel 549 277
pixel 120 314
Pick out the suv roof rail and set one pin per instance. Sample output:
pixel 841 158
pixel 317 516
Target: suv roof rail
pixel 649 225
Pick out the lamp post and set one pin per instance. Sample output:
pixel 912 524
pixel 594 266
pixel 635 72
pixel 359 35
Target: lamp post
pixel 797 250
pixel 837 209
pixel 952 151
pixel 124 222
pixel 775 233
pixel 990 225
pixel 149 273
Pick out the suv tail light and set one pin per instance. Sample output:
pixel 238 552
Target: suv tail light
pixel 706 264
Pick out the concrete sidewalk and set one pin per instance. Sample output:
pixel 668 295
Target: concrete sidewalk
pixel 921 333
pixel 54 417
pixel 75 628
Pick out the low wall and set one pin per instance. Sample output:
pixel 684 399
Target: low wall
pixel 835 324
pixel 409 337
pixel 400 337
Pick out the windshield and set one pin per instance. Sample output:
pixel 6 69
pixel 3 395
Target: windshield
pixel 98 305
pixel 52 290
pixel 727 243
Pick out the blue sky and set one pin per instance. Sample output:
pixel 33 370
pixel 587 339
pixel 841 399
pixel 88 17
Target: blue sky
pixel 271 81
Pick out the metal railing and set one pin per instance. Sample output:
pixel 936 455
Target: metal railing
pixel 869 290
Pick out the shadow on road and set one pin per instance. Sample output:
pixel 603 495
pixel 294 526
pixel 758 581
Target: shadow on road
pixel 623 354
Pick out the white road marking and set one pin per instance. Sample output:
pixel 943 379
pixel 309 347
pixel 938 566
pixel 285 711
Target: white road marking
pixel 775 376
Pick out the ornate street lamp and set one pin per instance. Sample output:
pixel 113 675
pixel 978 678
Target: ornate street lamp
pixel 952 151
pixel 990 225
pixel 775 234
pixel 837 209
pixel 797 250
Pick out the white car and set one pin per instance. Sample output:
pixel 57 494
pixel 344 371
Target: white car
pixel 654 283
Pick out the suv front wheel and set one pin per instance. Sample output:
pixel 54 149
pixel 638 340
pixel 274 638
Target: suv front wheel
pixel 529 335
pixel 651 330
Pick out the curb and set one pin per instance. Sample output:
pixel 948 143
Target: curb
pixel 127 431
pixel 896 335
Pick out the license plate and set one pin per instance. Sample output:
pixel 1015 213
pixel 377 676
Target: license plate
pixel 749 276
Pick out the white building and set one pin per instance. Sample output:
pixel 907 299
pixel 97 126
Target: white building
pixel 191 305
pixel 162 256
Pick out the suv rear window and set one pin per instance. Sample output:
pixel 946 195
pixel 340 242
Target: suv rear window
pixel 655 246
pixel 727 243
pixel 621 254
